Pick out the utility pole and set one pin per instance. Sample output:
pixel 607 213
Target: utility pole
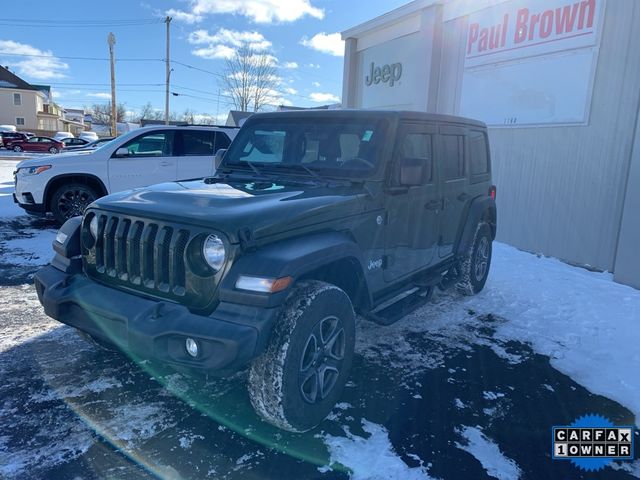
pixel 166 98
pixel 111 39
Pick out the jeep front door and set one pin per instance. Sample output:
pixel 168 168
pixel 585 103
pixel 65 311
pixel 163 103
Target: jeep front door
pixel 149 159
pixel 412 212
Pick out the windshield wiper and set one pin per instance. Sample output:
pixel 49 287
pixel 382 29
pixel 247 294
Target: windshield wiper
pixel 294 166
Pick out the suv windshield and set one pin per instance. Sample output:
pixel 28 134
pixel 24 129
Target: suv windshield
pixel 341 147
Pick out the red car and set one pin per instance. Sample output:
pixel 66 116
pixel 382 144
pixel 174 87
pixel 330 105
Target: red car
pixel 35 144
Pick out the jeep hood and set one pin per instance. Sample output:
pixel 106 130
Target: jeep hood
pixel 265 208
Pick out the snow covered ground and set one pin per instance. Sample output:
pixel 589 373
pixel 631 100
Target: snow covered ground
pixel 458 362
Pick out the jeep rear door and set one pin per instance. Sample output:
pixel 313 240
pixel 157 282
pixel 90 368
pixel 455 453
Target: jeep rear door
pixel 196 150
pixel 454 184
pixel 411 233
pixel 150 160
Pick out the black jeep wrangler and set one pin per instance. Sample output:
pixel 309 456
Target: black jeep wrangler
pixel 312 217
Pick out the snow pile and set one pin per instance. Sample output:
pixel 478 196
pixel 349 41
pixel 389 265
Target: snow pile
pixel 587 324
pixel 371 458
pixel 488 454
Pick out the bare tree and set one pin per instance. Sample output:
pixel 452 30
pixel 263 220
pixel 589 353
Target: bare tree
pixel 249 78
pixel 101 113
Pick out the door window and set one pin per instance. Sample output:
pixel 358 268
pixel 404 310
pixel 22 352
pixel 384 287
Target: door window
pixel 152 144
pixel 453 156
pixel 198 143
pixel 419 146
pixel 222 141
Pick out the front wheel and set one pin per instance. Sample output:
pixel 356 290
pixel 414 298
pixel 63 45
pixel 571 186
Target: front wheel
pixel 71 200
pixel 474 266
pixel 53 150
pixel 17 148
pixel 301 375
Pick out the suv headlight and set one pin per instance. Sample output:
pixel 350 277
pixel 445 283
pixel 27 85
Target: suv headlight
pixel 34 170
pixel 213 252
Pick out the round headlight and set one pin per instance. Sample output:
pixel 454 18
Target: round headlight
pixel 93 227
pixel 213 252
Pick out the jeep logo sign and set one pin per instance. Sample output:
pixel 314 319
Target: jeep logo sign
pixel 386 74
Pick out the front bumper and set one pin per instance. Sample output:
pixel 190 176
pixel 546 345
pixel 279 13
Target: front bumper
pixel 229 337
pixel 32 208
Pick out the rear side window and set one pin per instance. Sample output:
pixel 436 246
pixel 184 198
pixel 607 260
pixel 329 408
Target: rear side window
pixel 478 158
pixel 222 141
pixel 418 146
pixel 453 156
pixel 198 143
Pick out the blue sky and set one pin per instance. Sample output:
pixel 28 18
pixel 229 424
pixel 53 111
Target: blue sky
pixel 298 33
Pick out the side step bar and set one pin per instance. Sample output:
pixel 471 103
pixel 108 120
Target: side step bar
pixel 397 307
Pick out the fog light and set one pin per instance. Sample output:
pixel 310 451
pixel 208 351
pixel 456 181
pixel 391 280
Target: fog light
pixel 192 347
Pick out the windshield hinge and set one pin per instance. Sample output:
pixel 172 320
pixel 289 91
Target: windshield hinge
pixel 247 242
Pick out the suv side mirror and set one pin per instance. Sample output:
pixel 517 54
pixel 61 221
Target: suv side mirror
pixel 122 152
pixel 218 157
pixel 411 171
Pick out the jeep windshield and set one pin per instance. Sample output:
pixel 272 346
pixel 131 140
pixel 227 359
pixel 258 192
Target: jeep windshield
pixel 344 148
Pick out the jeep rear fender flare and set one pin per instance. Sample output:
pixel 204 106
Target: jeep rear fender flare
pixel 480 208
pixel 297 257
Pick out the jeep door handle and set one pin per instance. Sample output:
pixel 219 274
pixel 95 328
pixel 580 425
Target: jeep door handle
pixel 165 164
pixel 463 197
pixel 433 205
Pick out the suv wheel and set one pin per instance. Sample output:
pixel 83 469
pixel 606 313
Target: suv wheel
pixel 71 200
pixel 474 266
pixel 17 148
pixel 300 377
pixel 53 150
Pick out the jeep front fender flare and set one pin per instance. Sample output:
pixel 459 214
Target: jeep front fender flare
pixel 292 257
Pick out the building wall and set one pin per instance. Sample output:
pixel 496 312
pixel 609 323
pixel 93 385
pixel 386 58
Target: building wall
pixel 561 188
pixel 28 109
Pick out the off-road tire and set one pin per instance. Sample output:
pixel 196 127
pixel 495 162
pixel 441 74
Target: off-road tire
pixel 472 278
pixel 276 388
pixel 71 200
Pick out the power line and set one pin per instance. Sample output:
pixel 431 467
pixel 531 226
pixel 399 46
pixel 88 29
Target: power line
pixel 82 58
pixel 21 22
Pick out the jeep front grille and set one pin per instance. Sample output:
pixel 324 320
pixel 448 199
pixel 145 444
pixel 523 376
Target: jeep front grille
pixel 149 256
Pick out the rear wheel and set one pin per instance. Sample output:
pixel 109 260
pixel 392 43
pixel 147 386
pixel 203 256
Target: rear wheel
pixel 71 200
pixel 17 148
pixel 474 266
pixel 53 150
pixel 300 377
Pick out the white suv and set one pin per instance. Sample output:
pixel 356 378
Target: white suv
pixel 66 184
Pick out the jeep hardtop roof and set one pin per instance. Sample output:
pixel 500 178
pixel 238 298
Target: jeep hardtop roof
pixel 350 113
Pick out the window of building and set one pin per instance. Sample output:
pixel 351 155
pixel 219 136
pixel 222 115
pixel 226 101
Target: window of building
pixel 478 158
pixel 20 121
pixel 17 99
pixel 453 156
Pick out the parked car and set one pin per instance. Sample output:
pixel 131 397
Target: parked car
pixel 141 157
pixel 6 138
pixel 62 135
pixel 74 142
pixel 88 136
pixel 311 217
pixel 36 144
pixel 91 145
pixel 7 128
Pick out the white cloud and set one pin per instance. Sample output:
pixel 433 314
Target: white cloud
pixel 289 90
pixel 313 65
pixel 43 66
pixel 224 42
pixel 324 97
pixel 316 84
pixel 330 43
pixel 290 65
pixel 102 95
pixel 259 11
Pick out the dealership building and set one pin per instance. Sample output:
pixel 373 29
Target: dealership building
pixel 558 84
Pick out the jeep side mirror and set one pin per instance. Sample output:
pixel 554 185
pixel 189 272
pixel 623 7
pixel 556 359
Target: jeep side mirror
pixel 411 171
pixel 218 157
pixel 122 152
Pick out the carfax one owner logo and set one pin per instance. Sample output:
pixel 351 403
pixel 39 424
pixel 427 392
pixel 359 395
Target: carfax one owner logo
pixel 592 442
